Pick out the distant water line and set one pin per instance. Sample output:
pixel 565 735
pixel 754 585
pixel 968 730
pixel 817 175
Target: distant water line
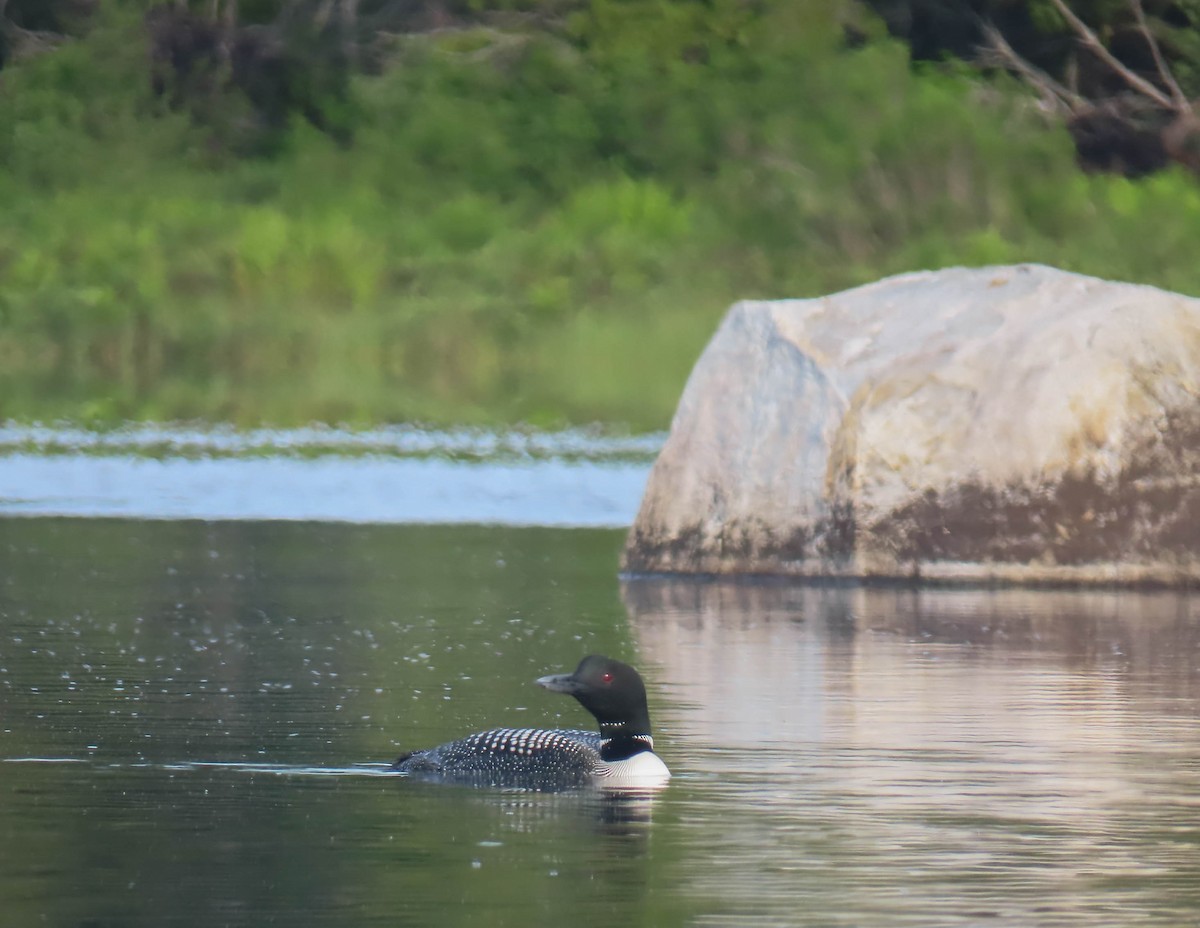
pixel 408 441
pixel 399 475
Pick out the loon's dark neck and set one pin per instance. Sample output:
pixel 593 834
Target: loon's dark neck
pixel 624 738
pixel 622 746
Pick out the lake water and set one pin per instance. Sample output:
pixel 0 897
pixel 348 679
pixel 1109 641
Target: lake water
pixel 387 475
pixel 193 715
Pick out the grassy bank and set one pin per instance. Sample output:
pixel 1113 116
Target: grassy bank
pixel 528 222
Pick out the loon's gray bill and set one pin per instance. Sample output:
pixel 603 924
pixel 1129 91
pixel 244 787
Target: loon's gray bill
pixel 560 683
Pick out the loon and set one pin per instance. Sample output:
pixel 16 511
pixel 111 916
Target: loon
pixel 620 756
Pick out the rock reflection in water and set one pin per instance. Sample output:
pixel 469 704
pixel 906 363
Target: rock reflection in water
pixel 921 753
pixel 758 652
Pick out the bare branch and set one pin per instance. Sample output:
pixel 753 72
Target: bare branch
pixel 1090 39
pixel 1059 95
pixel 1177 94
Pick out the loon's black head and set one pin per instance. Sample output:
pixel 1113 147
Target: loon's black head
pixel 613 692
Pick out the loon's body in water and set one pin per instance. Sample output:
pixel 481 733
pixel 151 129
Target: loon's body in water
pixel 620 755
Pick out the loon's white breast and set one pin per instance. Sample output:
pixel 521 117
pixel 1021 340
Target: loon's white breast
pixel 644 770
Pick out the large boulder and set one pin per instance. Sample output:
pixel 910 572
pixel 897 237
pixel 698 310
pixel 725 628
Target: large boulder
pixel 1005 423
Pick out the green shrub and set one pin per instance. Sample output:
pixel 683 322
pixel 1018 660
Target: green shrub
pixel 532 222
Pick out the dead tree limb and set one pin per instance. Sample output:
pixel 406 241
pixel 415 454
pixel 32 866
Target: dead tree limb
pixel 1059 96
pixel 1177 95
pixel 1092 41
pixel 1134 132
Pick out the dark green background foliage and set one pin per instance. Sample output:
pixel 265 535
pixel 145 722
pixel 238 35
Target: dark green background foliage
pixel 492 212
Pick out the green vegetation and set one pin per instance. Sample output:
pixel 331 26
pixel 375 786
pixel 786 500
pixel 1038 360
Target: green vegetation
pixel 535 219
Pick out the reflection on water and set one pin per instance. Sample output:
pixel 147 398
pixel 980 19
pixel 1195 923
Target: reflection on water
pixel 195 721
pixel 890 754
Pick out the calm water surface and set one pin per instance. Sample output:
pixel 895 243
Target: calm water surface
pixel 189 712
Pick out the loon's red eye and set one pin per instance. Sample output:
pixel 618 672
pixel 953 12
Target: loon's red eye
pixel 606 677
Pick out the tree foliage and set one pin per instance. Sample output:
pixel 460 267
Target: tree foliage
pixel 528 211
